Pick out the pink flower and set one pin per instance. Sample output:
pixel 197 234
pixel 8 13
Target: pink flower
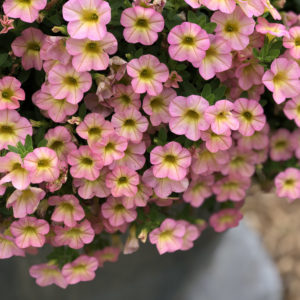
pixel 251 8
pixel 56 109
pixel 292 42
pixel 116 213
pixel 205 161
pixel 130 124
pixel 217 142
pixel 249 74
pixel 198 190
pixel 292 110
pixel 168 237
pixel 67 209
pixel 42 164
pixel 91 55
pixel 163 187
pixel 281 146
pixel 59 139
pixel 13 165
pixel 231 188
pixel 111 149
pixel 25 202
pixel 27 11
pixel 124 98
pixel 7 24
pixel 8 248
pixel 47 274
pixel 81 269
pixel 191 234
pixel 283 79
pixel 94 128
pixel 75 237
pixel 224 219
pixel 66 83
pixel 250 115
pixel 225 6
pixel 29 231
pixel 235 28
pixel 28 46
pixel 194 3
pixel 147 74
pixel 88 189
pixel 288 184
pixel 133 158
pixel 270 8
pixel 157 107
pixel 173 80
pixel 271 29
pixel 217 58
pixel 85 163
pixel 110 254
pixel 188 41
pixel 122 181
pixel 87 19
pixel 10 93
pixel 170 161
pixel 220 117
pixel 295 141
pixel 187 116
pixel 141 25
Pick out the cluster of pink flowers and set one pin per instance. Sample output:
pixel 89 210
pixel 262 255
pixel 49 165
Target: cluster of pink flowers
pixel 142 144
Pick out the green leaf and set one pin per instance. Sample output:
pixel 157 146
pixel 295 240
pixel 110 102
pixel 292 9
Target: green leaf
pixel 42 143
pixel 82 111
pixel 163 135
pixel 206 92
pixel 210 27
pixel 28 143
pixel 220 92
pixel 3 58
pixel 13 149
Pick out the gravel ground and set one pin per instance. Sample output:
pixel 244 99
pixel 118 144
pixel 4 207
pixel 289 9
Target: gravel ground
pixel 278 223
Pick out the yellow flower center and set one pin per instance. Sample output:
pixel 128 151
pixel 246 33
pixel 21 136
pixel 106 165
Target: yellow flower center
pixel 71 81
pixel 119 208
pixel 248 115
pixel 43 163
pixel 297 41
pixel 289 182
pixel 33 46
pixel 146 73
pixel 192 115
pixel 230 185
pixel 156 103
pixel 7 93
pixel 123 180
pixel 16 166
pixel 56 145
pixel 80 268
pixel 166 234
pixel 30 230
pixel 67 207
pixel 6 129
pixel 142 23
pixel 24 1
pixel 170 158
pixel 210 52
pixel 279 78
pixel 110 147
pixel 188 40
pixel 129 123
pixel 87 161
pixel 94 131
pixel 231 27
pixel 90 16
pixel 281 144
pixel 92 47
pixel 226 219
pixel 125 99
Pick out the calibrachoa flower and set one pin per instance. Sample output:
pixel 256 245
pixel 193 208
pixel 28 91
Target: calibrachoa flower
pixel 10 93
pixel 218 58
pixel 187 116
pixel 67 209
pixel 270 29
pixel 130 124
pixel 42 164
pixel 110 254
pixel 81 269
pixel 250 115
pixel 224 219
pixel 27 10
pixel 28 46
pixel 188 41
pixel 66 83
pixel 13 165
pixel 235 28
pixel 122 181
pixel 92 55
pixel 217 142
pixel 56 109
pixel 85 163
pixel 141 25
pixel 199 189
pixel 220 117
pixel 190 235
pixel 288 184
pixel 94 128
pixel 13 128
pixel 194 3
pixel 295 140
pixel 29 231
pixel 283 79
pixel 48 274
pixel 292 110
pixel 157 107
pixel 292 42
pixel 281 145
pixel 147 74
pixel 25 202
pixel 76 236
pixel 8 248
pixel 225 6
pixel 116 213
pixel 87 19
pixel 7 24
pixel 170 161
pixel 169 236
pixel 173 80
